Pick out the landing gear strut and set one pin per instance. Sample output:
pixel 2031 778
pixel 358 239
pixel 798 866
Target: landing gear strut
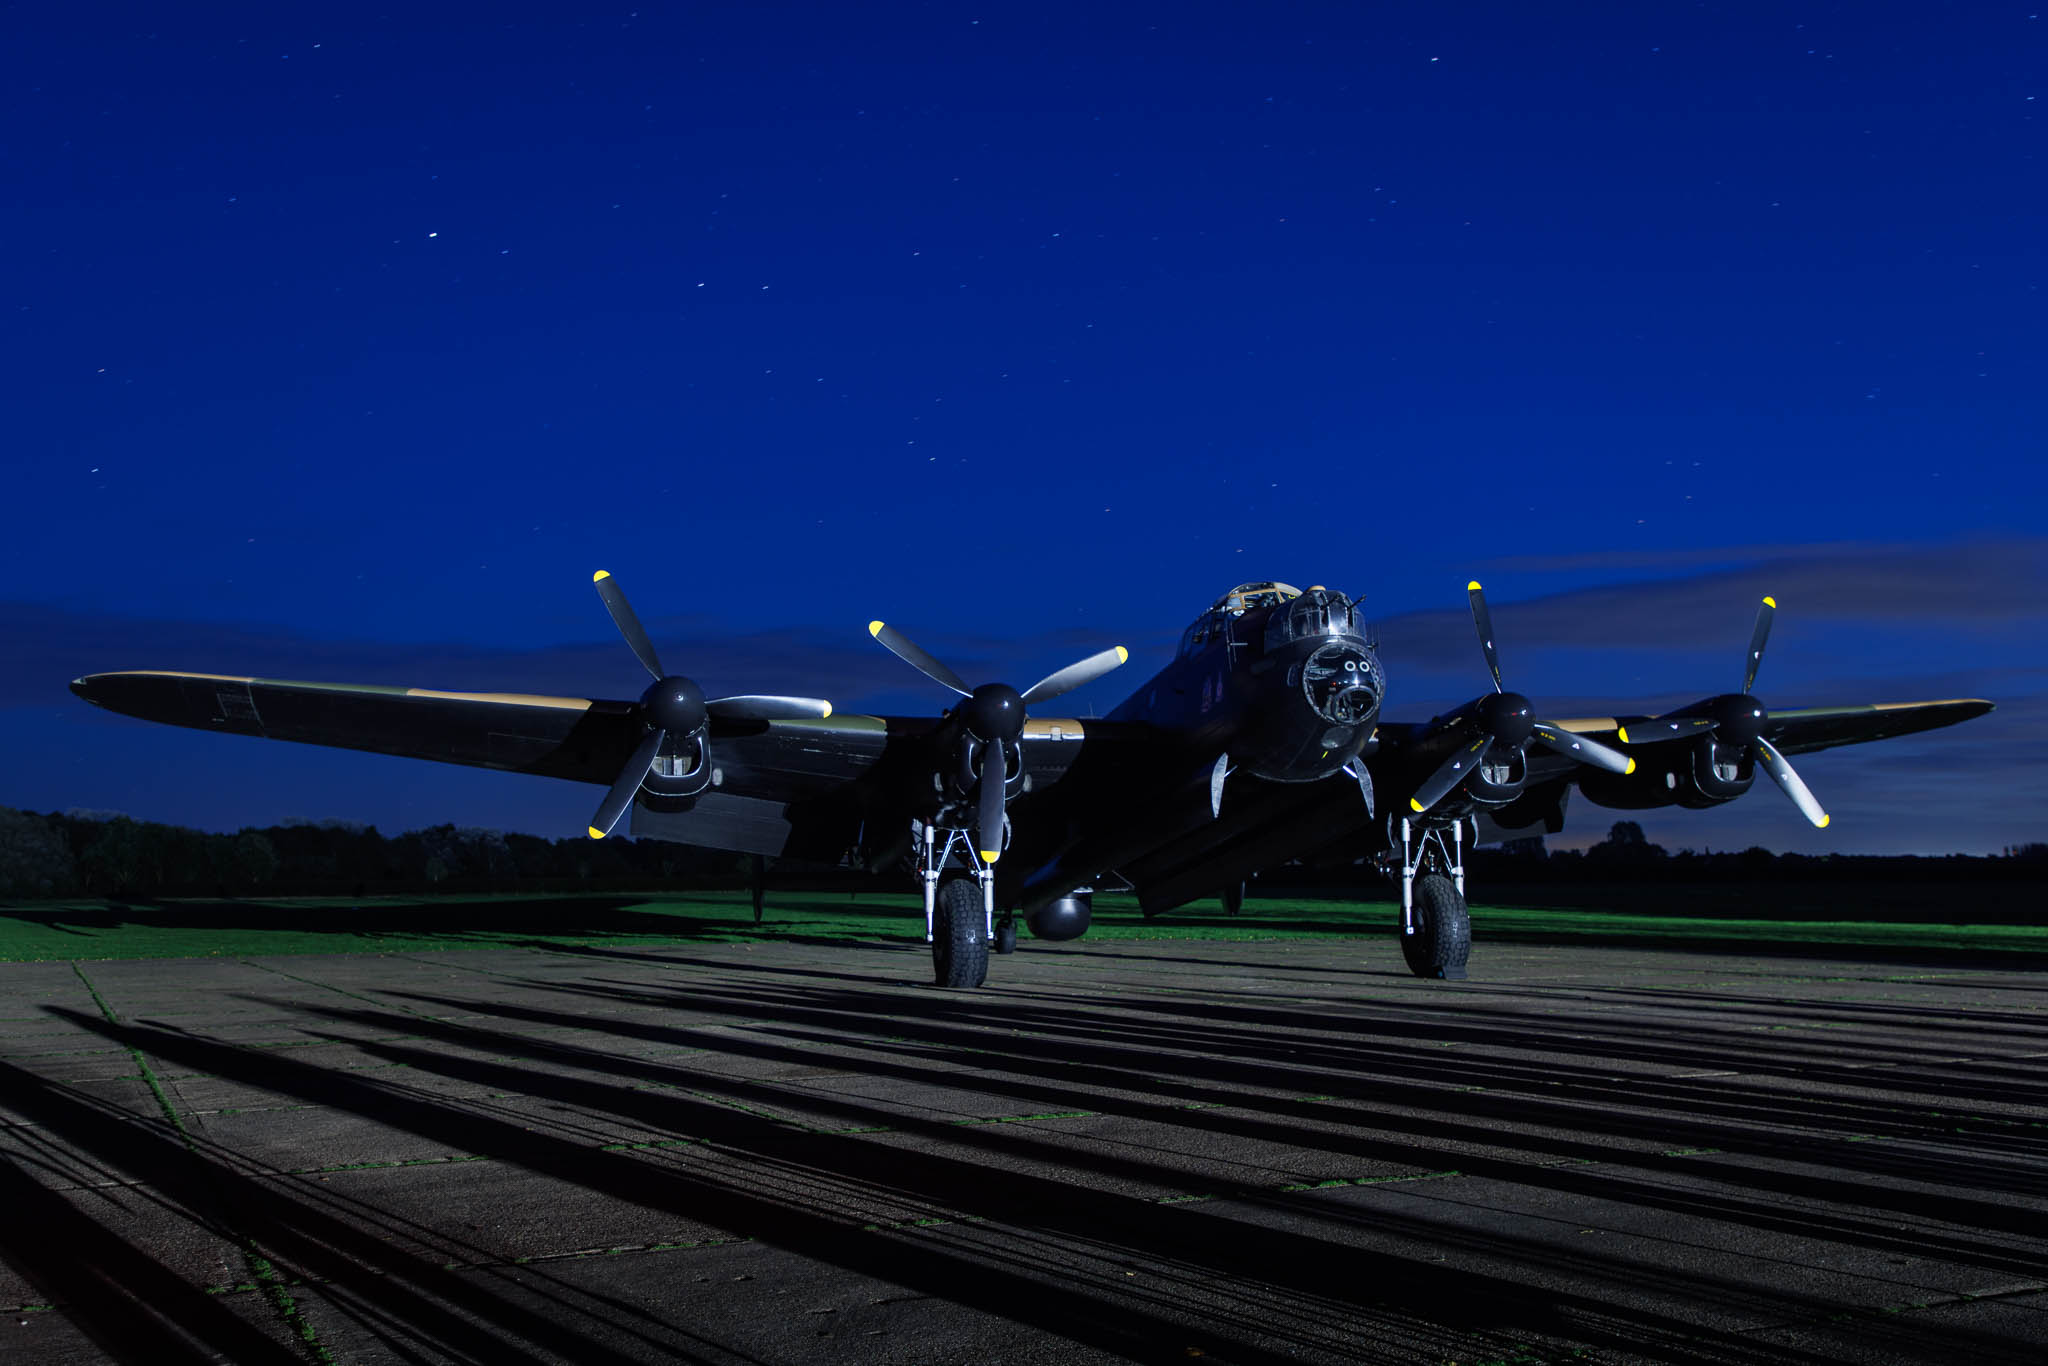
pixel 959 907
pixel 1436 927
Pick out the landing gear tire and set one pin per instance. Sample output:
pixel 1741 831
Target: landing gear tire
pixel 959 934
pixel 1006 935
pixel 1442 939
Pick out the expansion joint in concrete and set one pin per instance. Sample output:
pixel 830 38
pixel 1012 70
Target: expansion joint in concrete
pixel 262 1272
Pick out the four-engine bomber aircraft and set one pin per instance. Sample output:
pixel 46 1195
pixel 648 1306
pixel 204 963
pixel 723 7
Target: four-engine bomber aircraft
pixel 1259 743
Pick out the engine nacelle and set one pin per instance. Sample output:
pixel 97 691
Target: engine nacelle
pixel 957 780
pixel 682 769
pixel 1720 773
pixel 1704 773
pixel 1498 779
pixel 1066 918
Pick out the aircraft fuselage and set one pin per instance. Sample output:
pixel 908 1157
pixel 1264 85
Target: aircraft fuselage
pixel 1289 687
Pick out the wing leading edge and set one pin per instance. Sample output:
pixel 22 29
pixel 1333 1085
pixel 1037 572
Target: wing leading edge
pixel 766 769
pixel 1803 730
pixel 1806 730
pixel 561 737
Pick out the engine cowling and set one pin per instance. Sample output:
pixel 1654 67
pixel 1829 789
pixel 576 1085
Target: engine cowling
pixel 1498 779
pixel 1704 773
pixel 682 768
pixel 1502 723
pixel 671 760
pixel 959 779
pixel 1490 759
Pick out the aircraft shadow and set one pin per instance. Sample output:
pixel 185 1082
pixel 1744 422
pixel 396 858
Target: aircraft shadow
pixel 1543 1109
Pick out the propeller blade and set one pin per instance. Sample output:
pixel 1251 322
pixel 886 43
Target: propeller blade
pixel 988 807
pixel 1663 728
pixel 1454 769
pixel 1483 619
pixel 630 777
pixel 751 707
pixel 1781 773
pixel 898 644
pixel 1578 747
pixel 1762 633
pixel 1074 675
pixel 628 624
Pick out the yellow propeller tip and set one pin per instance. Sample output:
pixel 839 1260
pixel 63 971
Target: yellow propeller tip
pixel 828 711
pixel 1122 654
pixel 1417 805
pixel 1473 587
pixel 1824 819
pixel 874 628
pixel 1630 769
pixel 1621 732
pixel 987 857
pixel 596 833
pixel 1771 603
pixel 600 575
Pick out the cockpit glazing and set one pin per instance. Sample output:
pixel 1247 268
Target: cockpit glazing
pixel 1342 677
pixel 1214 624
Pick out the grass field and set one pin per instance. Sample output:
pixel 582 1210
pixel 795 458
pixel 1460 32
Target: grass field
pixel 91 929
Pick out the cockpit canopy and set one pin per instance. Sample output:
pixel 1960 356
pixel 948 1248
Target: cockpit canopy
pixel 1266 616
pixel 1246 596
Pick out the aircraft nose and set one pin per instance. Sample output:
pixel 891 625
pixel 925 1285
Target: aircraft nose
pixel 1343 682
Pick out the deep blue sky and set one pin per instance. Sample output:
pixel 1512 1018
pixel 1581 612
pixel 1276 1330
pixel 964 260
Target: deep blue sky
pixel 347 347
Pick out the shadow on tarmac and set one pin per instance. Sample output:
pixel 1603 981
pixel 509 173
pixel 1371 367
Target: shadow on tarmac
pixel 1222 1067
pixel 453 918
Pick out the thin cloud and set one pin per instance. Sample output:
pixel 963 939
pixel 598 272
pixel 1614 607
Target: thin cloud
pixel 1690 557
pixel 1984 586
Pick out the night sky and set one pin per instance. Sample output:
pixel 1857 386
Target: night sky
pixel 347 347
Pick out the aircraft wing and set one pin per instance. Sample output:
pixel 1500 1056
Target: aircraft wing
pixel 1795 730
pixel 1803 730
pixel 582 739
pixel 799 787
pixel 561 737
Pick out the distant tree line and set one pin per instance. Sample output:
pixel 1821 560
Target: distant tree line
pixel 106 854
pixel 1626 856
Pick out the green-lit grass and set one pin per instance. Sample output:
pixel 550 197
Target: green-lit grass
pixel 284 925
pixel 90 929
pixel 1509 924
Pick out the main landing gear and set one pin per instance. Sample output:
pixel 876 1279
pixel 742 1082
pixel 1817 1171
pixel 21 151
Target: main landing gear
pixel 1436 928
pixel 960 908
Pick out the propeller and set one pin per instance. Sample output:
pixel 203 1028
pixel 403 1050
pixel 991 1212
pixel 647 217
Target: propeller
pixel 673 705
pixel 1738 720
pixel 1506 723
pixel 993 716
